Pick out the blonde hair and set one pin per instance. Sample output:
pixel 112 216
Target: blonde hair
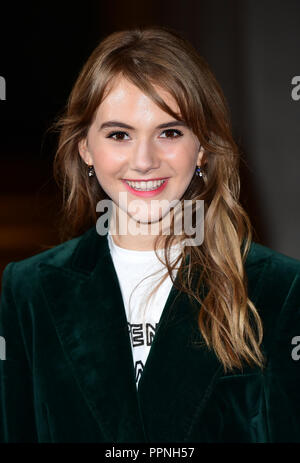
pixel 227 319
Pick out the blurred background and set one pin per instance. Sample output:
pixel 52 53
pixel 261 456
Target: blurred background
pixel 252 48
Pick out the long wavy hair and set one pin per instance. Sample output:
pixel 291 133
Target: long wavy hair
pixel 228 321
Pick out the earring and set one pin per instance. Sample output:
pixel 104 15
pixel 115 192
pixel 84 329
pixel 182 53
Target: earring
pixel 91 171
pixel 199 171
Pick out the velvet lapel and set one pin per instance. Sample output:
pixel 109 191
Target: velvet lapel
pixel 180 371
pixel 86 305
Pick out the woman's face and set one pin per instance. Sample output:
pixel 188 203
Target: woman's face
pixel 126 142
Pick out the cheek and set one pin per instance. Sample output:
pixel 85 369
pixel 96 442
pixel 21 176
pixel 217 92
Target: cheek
pixel 184 160
pixel 106 162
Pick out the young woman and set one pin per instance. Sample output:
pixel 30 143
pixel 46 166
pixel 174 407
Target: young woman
pixel 150 335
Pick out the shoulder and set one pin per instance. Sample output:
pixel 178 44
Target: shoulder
pixel 275 275
pixel 274 281
pixel 26 270
pixel 259 253
pixel 274 268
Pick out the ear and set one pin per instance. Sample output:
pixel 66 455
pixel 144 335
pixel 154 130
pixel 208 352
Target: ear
pixel 200 156
pixel 84 152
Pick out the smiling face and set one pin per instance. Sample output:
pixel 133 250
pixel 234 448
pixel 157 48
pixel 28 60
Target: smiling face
pixel 131 138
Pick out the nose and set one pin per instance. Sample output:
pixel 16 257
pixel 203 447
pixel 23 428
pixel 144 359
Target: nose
pixel 144 157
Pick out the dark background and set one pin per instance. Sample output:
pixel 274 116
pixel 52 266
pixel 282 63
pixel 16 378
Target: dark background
pixel 252 46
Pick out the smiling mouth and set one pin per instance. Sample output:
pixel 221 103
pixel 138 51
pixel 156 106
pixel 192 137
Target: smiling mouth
pixel 142 185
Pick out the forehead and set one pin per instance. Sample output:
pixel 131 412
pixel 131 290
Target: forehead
pixel 125 97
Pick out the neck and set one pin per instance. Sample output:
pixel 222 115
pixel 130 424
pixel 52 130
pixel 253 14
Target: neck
pixel 144 236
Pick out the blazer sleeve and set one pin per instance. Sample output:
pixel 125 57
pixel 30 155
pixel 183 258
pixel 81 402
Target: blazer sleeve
pixel 17 418
pixel 283 378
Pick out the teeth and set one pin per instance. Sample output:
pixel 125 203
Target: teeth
pixel 145 186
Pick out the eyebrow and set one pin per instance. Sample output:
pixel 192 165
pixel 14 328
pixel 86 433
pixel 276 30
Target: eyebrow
pixel 126 126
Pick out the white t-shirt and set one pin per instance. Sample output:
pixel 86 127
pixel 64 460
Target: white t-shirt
pixel 131 267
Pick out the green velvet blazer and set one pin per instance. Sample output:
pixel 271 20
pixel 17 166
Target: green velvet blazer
pixel 68 375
